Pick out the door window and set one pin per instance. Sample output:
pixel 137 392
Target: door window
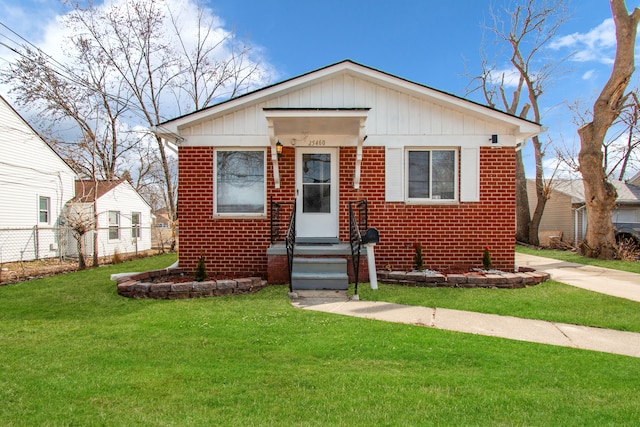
pixel 316 182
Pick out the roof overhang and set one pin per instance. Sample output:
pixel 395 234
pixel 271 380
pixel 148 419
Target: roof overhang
pixel 293 122
pixel 316 126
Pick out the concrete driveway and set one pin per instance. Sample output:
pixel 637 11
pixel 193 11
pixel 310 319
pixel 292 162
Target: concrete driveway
pixel 604 280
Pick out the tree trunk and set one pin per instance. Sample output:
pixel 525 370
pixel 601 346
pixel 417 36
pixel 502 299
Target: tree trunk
pixel 80 245
pixel 523 215
pixel 541 193
pixel 600 195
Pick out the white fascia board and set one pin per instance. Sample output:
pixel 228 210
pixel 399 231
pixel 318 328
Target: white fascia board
pixel 359 113
pixel 226 141
pixel 439 141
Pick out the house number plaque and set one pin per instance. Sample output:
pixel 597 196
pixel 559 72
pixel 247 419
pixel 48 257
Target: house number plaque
pixel 317 143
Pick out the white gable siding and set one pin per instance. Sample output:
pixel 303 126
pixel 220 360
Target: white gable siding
pixel 29 169
pixel 399 114
pixel 392 112
pixel 125 200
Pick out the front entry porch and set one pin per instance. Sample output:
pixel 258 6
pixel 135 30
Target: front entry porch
pixel 316 263
pixel 315 266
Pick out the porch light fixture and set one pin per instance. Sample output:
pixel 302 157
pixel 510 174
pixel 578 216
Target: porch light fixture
pixel 279 149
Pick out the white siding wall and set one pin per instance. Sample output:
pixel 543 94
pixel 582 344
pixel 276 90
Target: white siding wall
pixel 29 169
pixel 125 200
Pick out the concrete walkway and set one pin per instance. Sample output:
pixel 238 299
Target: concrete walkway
pixel 613 282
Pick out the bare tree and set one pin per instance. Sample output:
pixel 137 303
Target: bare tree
pixel 624 153
pixel 134 62
pixel 620 150
pixel 77 98
pixel 134 35
pixel 600 194
pixel 81 219
pixel 532 25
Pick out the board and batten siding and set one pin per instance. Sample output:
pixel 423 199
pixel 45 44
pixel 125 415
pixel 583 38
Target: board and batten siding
pixel 29 169
pixel 392 113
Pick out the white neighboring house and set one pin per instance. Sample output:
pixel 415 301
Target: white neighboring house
pixel 35 185
pixel 124 217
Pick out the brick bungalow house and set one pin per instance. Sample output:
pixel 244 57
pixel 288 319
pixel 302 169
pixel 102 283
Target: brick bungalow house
pixel 434 168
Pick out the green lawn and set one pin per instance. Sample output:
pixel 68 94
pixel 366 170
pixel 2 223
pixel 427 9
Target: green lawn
pixel 72 352
pixel 631 266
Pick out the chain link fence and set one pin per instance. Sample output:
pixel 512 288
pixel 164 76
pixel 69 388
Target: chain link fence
pixel 36 243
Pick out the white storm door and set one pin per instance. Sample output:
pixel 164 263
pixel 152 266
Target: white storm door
pixel 317 192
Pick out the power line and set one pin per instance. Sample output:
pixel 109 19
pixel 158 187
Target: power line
pixel 60 69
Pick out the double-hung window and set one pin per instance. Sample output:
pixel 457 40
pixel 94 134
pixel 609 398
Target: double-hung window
pixel 240 182
pixel 135 225
pixel 44 210
pixel 431 175
pixel 114 225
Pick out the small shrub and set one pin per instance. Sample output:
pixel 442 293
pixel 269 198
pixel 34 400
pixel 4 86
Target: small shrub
pixel 417 258
pixel 201 271
pixel 486 258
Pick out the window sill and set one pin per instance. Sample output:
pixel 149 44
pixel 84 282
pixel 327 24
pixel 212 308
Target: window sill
pixel 432 202
pixel 240 216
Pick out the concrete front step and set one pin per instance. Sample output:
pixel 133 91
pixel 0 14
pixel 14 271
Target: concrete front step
pixel 319 281
pixel 320 265
pixel 319 273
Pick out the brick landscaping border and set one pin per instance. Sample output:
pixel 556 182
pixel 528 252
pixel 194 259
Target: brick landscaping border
pixel 428 279
pixel 169 283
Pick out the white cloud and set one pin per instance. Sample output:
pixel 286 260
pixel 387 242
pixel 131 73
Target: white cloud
pixel 507 76
pixel 556 168
pixel 52 36
pixel 589 75
pixel 598 44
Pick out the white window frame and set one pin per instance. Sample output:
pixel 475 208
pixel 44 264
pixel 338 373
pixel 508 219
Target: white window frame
pixel 430 200
pixel 135 226
pixel 215 183
pixel 46 211
pixel 111 226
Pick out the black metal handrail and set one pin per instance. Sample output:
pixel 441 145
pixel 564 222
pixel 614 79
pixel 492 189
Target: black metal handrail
pixel 278 211
pixel 290 242
pixel 355 237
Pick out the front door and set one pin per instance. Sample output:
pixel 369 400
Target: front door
pixel 317 193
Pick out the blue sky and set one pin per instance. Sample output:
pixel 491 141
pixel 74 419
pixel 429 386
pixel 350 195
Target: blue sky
pixel 429 42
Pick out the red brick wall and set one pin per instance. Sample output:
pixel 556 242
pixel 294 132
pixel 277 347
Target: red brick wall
pixel 451 236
